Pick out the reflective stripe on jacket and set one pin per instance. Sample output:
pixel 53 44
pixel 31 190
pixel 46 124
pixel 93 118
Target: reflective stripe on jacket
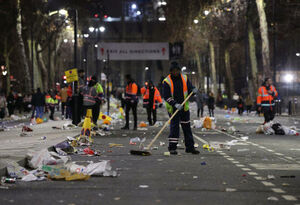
pixel 52 102
pixel 264 98
pixel 169 81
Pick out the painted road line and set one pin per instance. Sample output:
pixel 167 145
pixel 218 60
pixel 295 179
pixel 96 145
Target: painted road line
pixel 269 150
pixel 226 156
pixel 289 197
pixel 264 166
pixel 231 159
pixel 278 190
pixel 235 162
pixel 279 154
pixel 252 173
pixel 259 178
pixel 246 169
pixel 267 183
pixel 201 140
pixel 240 165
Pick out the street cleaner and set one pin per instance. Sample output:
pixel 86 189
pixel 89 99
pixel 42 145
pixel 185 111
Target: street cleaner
pixel 176 88
pixel 265 99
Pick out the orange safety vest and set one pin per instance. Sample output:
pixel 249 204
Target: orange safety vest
pixel 57 97
pixel 131 91
pixel 264 98
pixel 156 98
pixel 169 81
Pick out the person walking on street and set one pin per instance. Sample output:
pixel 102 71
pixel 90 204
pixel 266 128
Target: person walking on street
pixel 63 93
pixel 143 93
pixel 248 103
pixel 200 100
pixel 81 85
pixel 240 104
pixel 52 102
pixel 38 103
pixel 99 98
pixel 153 97
pixel 89 96
pixel 2 105
pixel 131 101
pixel 211 104
pixel 235 98
pixel 176 88
pixel 10 103
pixel 265 99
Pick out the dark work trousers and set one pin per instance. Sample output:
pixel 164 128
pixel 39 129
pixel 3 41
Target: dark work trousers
pixel 63 106
pixel 211 112
pixel 269 113
pixel 240 110
pixel 95 112
pixel 198 111
pixel 150 111
pixel 182 117
pixel 52 109
pixel 132 106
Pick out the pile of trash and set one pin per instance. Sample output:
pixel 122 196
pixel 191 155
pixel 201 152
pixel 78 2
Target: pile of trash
pixel 55 164
pixel 205 122
pixel 276 128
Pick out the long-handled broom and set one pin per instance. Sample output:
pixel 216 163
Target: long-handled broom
pixel 147 153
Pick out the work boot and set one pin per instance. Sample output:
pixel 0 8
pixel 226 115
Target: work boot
pixel 173 152
pixel 193 151
pixel 125 128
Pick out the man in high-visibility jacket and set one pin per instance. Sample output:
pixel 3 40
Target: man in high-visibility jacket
pixel 152 96
pixel 52 102
pixel 99 99
pixel 131 101
pixel 143 92
pixel 176 88
pixel 265 99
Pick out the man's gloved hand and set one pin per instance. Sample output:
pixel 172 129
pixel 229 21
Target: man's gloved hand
pixel 160 105
pixel 178 106
pixel 195 90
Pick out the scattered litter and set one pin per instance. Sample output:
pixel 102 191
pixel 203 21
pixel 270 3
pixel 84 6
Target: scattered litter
pixel 26 129
pixel 160 160
pixel 195 177
pixel 219 145
pixel 232 129
pixel 167 154
pixel 144 186
pixel 162 144
pixel 272 198
pixel 143 124
pixel 154 148
pixel 115 145
pixel 56 128
pixel 244 138
pixel 196 145
pixel 203 163
pixel 14 170
pixel 117 198
pixel 198 124
pixel 230 190
pixel 43 138
pixel 8 180
pixel 23 134
pixel 285 184
pixel 271 177
pixel 89 151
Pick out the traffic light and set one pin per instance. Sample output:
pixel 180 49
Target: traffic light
pixel 96 15
pixel 64 77
pixel 105 16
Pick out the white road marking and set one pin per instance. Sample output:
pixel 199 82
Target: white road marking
pixel 267 183
pixel 279 154
pixel 200 139
pixel 246 169
pixel 252 173
pixel 231 159
pixel 223 153
pixel 289 197
pixel 259 178
pixel 269 150
pixel 240 165
pixel 226 156
pixel 264 166
pixel 235 162
pixel 277 190
pixel 262 147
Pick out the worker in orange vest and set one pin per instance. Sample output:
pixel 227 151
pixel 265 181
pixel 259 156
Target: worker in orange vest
pixel 152 96
pixel 131 101
pixel 265 99
pixel 143 92
pixel 176 88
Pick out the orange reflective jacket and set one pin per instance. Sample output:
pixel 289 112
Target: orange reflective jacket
pixel 264 98
pixel 131 91
pixel 156 97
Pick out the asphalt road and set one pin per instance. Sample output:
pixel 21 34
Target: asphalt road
pixel 261 170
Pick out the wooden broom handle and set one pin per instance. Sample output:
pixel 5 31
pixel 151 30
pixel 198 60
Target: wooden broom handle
pixel 162 129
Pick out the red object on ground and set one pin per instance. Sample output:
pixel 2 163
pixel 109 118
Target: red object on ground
pixel 89 151
pixel 26 129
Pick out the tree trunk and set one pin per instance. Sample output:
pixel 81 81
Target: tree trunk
pixel 229 73
pixel 23 58
pixel 200 73
pixel 264 38
pixel 41 74
pixel 6 55
pixel 253 60
pixel 213 67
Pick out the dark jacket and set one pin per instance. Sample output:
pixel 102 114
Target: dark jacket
pixel 211 102
pixel 38 99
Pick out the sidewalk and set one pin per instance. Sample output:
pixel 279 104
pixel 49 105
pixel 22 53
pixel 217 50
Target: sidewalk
pixel 14 147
